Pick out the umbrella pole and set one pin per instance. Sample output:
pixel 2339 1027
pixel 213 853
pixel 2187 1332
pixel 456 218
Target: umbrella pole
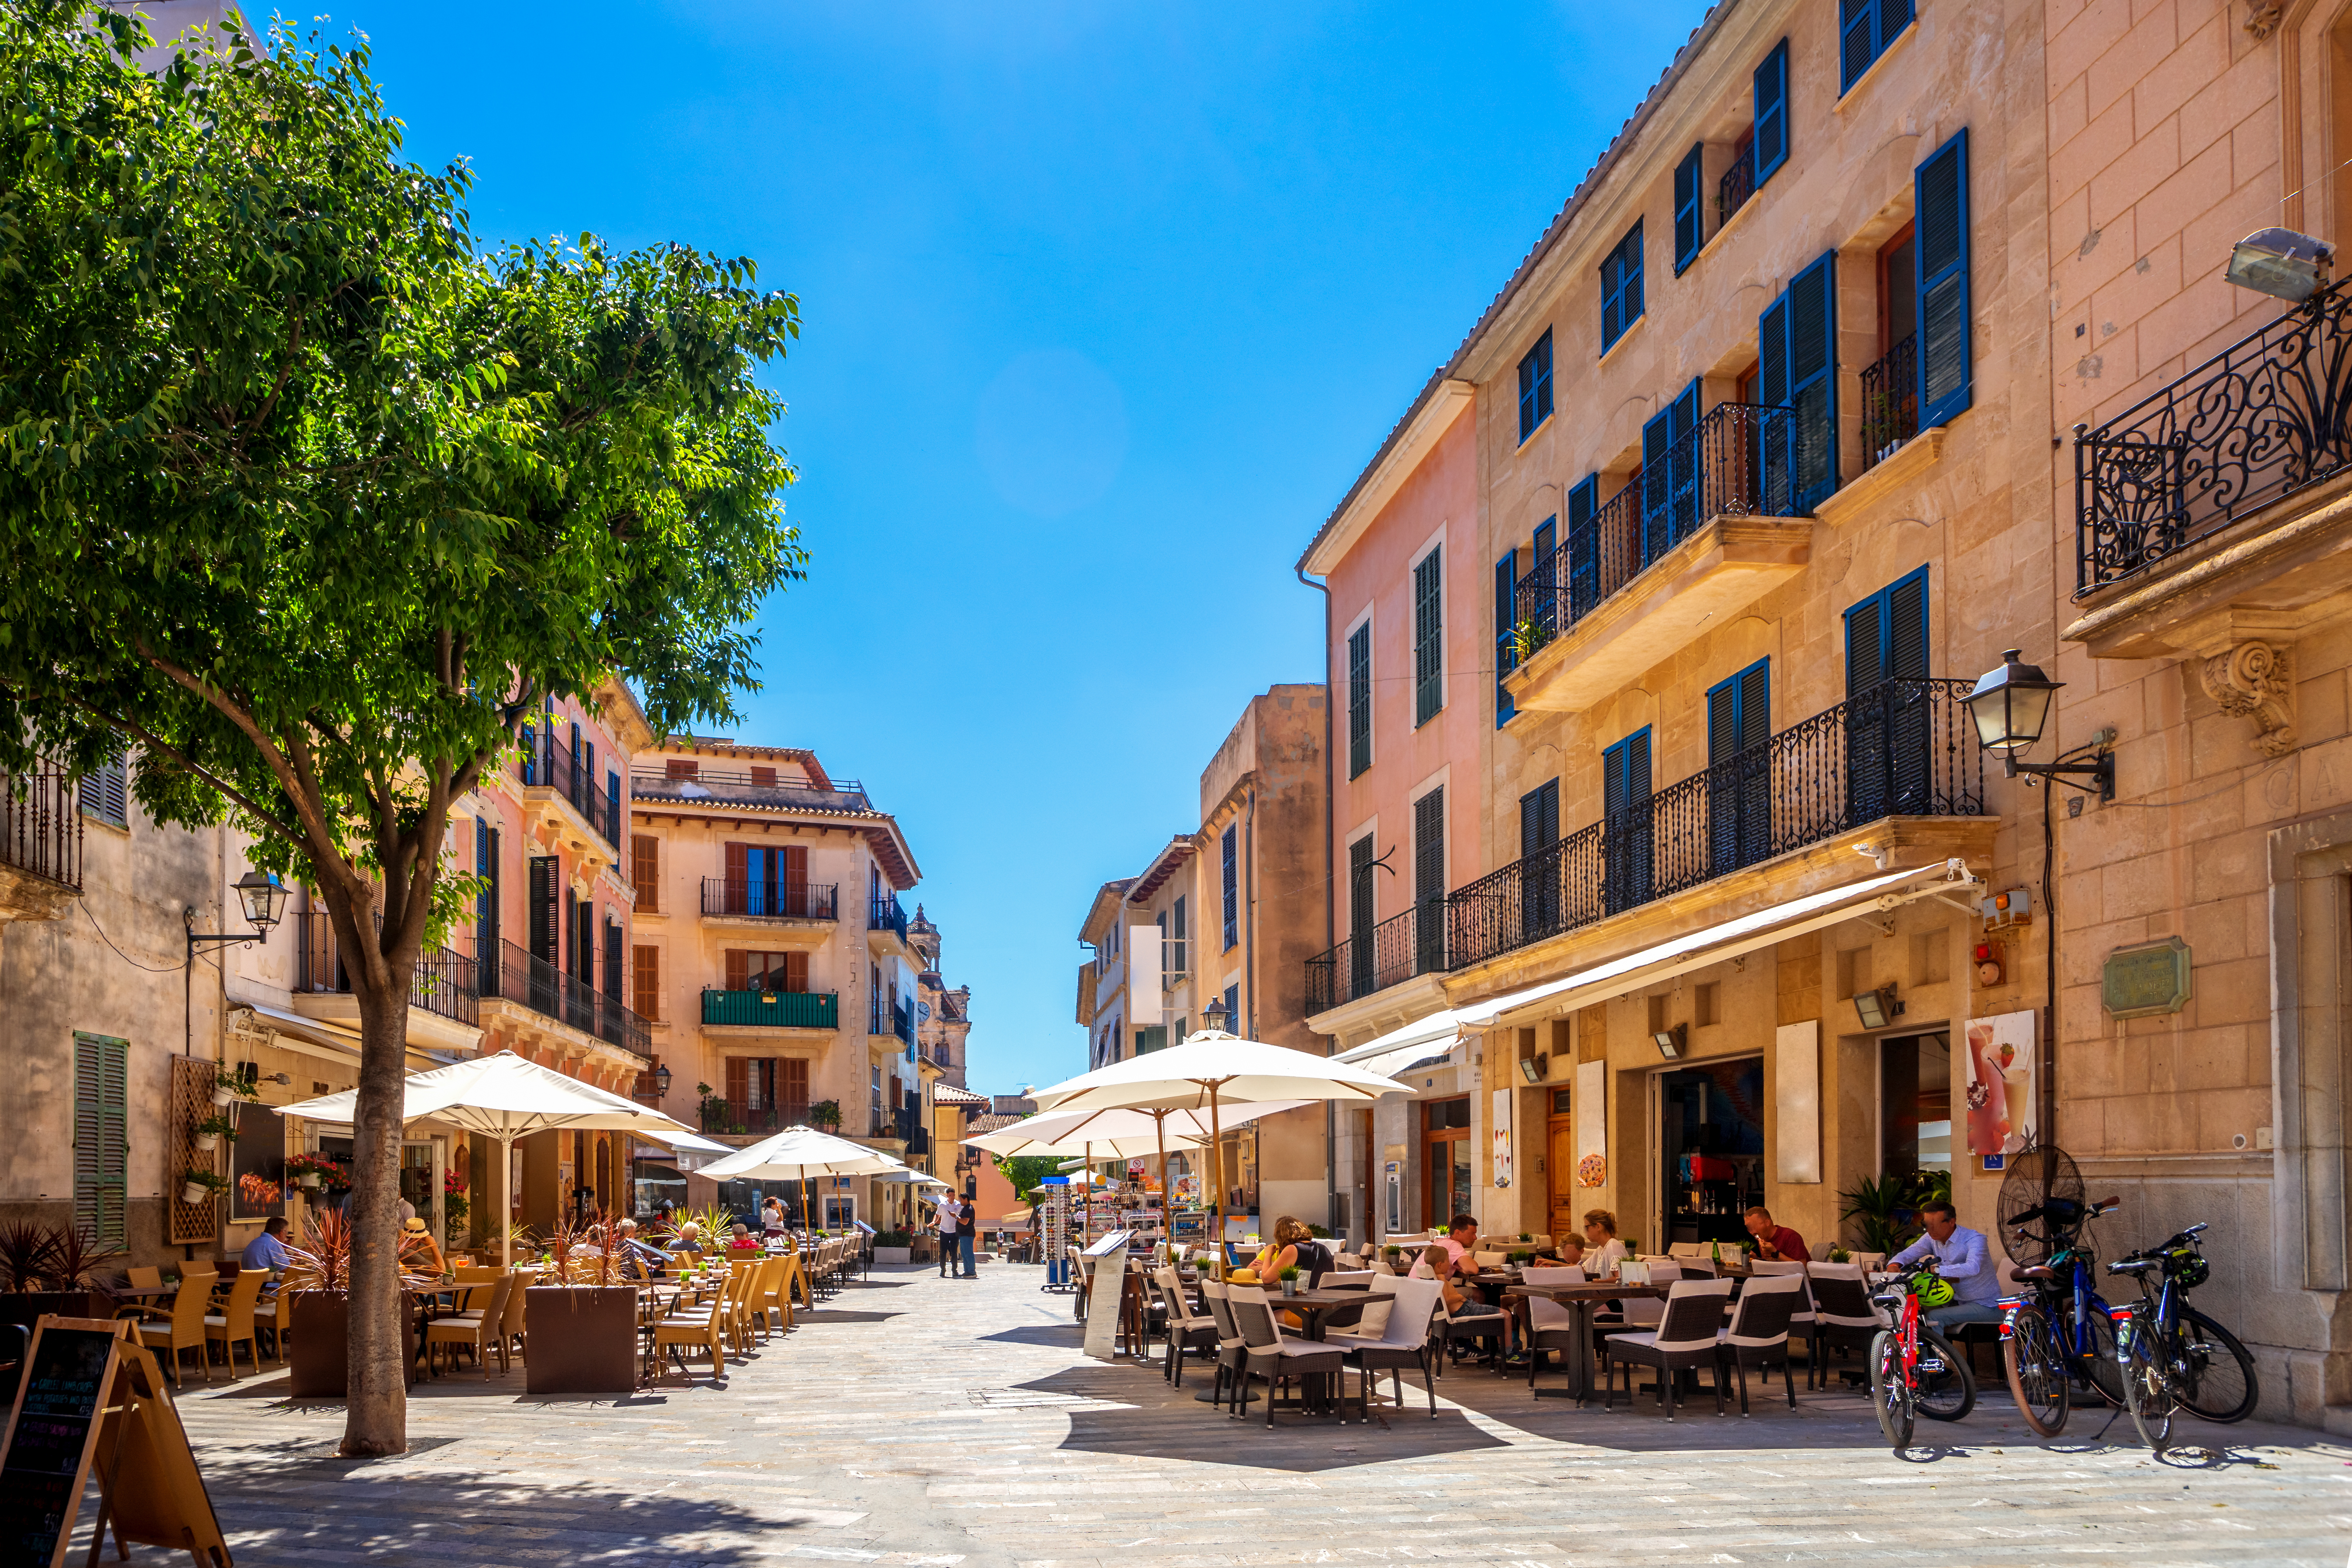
pixel 1166 1211
pixel 505 1202
pixel 1217 1168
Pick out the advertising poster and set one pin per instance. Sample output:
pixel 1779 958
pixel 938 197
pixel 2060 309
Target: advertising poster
pixel 1999 1057
pixel 256 1164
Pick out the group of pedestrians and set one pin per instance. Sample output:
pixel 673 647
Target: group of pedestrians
pixel 959 1227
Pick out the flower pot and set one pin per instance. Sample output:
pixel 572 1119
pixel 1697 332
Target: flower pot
pixel 317 1327
pixel 583 1339
pixel 224 1098
pixel 1290 1287
pixel 194 1193
pixel 207 1141
pixel 308 1181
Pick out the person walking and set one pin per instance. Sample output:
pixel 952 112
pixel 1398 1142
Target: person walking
pixel 966 1234
pixel 946 1217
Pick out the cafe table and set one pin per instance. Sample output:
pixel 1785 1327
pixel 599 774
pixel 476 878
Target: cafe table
pixel 1580 1300
pixel 1315 1307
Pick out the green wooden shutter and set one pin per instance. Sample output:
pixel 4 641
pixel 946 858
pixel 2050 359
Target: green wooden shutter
pixel 101 1146
pixel 1428 638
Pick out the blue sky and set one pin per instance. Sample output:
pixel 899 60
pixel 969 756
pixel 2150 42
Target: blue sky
pixel 1103 309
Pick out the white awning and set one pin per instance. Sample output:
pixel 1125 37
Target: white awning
pixel 309 1031
pixel 1422 1041
pixel 1729 940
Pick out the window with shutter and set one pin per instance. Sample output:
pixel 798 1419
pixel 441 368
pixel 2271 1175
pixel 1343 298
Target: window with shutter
pixel 1621 288
pixel 1583 547
pixel 644 871
pixel 1360 700
pixel 1539 819
pixel 763 778
pixel 1940 186
pixel 546 909
pixel 1534 386
pixel 645 983
pixel 1540 879
pixel 1428 881
pixel 792 1088
pixel 1507 653
pixel 1738 723
pixel 1361 916
pixel 1690 179
pixel 674 768
pixel 1229 871
pixel 613 807
pixel 613 939
pixel 104 794
pixel 486 898
pixel 1866 29
pixel 1627 832
pixel 1795 340
pixel 1428 640
pixel 739 1088
pixel 1769 149
pixel 1182 952
pixel 1888 749
pixel 102 1143
pixel 1670 474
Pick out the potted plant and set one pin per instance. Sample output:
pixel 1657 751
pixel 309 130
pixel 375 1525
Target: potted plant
pixel 1517 1256
pixel 826 1114
pixel 1526 1236
pixel 314 1321
pixel 52 1268
pixel 1289 1278
pixel 894 1246
pixel 228 1088
pixel 201 1187
pixel 583 1314
pixel 1840 1255
pixel 212 1130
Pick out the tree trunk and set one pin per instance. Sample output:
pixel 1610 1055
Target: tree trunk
pixel 376 1415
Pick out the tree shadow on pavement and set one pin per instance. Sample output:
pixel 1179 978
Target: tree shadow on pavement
pixel 1060 1336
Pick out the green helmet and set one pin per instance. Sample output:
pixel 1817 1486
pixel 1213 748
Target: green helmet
pixel 1932 1289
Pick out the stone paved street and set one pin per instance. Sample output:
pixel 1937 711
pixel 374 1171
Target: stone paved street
pixel 920 1420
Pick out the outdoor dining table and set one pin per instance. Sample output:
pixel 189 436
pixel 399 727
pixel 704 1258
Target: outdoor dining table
pixel 1315 1307
pixel 1580 1300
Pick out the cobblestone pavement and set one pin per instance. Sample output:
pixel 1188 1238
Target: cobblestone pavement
pixel 918 1420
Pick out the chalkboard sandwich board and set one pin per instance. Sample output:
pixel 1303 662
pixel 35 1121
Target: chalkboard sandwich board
pixel 52 1433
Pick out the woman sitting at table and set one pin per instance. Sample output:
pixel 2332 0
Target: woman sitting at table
pixel 1602 1250
pixel 687 1239
pixel 417 1253
pixel 1294 1245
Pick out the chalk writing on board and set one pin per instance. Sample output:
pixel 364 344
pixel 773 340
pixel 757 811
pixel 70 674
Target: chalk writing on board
pixel 40 1474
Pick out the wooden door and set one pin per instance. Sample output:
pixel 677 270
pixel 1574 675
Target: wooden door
pixel 1559 1166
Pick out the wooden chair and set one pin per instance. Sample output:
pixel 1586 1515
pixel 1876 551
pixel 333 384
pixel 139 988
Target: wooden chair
pixel 145 1278
pixel 234 1323
pixel 511 1338
pixel 769 1301
pixel 705 1326
pixel 736 1294
pixel 1687 1336
pixel 184 1329
pixel 482 1332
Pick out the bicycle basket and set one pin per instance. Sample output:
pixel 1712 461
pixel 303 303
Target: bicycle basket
pixel 2186 1266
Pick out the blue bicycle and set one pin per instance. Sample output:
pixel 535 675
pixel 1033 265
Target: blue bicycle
pixel 2058 1335
pixel 2174 1357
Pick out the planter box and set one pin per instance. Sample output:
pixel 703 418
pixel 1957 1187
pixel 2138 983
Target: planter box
pixel 318 1341
pixel 581 1338
pixel 31 1306
pixel 894 1255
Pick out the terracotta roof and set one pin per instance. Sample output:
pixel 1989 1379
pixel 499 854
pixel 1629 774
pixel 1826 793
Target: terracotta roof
pixel 990 1122
pixel 1163 866
pixel 949 1094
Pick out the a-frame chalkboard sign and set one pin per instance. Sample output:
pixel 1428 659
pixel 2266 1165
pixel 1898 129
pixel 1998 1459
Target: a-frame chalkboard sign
pixel 90 1399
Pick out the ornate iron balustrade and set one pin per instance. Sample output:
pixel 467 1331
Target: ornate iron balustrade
pixel 1890 402
pixel 444 982
pixel 1904 748
pixel 1741 460
pixel 40 825
pixel 887 913
pixel 520 976
pixel 773 1009
pixel 771 900
pixel 2259 421
pixel 549 762
pixel 902 1022
pixel 759 786
pixel 1738 183
pixel 1399 948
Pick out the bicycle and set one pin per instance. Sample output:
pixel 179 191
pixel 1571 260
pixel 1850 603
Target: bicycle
pixel 1914 1371
pixel 2168 1346
pixel 2058 1334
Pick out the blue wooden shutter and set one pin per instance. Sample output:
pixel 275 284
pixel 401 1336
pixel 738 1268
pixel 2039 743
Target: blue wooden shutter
pixel 1941 187
pixel 1657 486
pixel 1506 657
pixel 1889 762
pixel 1626 829
pixel 612 959
pixel 1683 458
pixel 1583 547
pixel 1813 379
pixel 546 876
pixel 1777 442
pixel 1534 386
pixel 1858 39
pixel 1689 230
pixel 1739 724
pixel 1770 147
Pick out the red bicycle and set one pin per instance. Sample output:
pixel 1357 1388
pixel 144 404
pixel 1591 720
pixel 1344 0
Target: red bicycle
pixel 1914 1371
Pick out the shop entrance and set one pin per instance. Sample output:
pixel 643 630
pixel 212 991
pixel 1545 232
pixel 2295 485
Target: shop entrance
pixel 1445 1157
pixel 1711 1140
pixel 1559 1166
pixel 1915 1104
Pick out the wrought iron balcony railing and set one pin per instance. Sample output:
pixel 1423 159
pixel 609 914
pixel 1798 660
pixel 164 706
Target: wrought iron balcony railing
pixel 754 900
pixel 1399 948
pixel 1742 460
pixel 444 982
pixel 2266 417
pixel 520 976
pixel 40 825
pixel 1903 748
pixel 887 913
pixel 720 1119
pixel 755 786
pixel 549 762
pixel 773 1009
pixel 1890 402
pixel 1738 183
pixel 902 1021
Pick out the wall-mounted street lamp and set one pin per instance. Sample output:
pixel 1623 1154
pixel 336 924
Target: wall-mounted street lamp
pixel 264 900
pixel 2280 262
pixel 2010 706
pixel 1214 1018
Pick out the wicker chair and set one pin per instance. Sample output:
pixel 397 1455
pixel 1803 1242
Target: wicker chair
pixel 1273 1356
pixel 1186 1331
pixel 1842 1317
pixel 1232 1350
pixel 1401 1340
pixel 1687 1337
pixel 1550 1326
pixel 1758 1332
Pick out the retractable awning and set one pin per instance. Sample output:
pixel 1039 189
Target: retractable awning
pixel 311 1031
pixel 1417 1044
pixel 1951 880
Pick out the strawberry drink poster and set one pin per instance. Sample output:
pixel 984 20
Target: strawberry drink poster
pixel 2000 1056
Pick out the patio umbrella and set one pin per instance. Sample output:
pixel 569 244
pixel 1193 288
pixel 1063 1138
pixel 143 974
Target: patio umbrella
pixel 799 1152
pixel 1055 1132
pixel 503 1097
pixel 1209 1067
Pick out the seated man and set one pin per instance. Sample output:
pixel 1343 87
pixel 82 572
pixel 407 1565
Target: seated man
pixel 267 1250
pixel 1964 1262
pixel 638 1261
pixel 1775 1243
pixel 743 1240
pixel 687 1239
pixel 1460 1242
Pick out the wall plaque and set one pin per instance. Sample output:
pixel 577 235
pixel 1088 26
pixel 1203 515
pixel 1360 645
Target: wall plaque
pixel 2147 979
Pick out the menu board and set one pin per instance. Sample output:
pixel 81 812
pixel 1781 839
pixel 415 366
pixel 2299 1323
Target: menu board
pixel 45 1456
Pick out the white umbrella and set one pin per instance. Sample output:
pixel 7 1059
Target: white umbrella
pixel 500 1096
pixel 1209 1067
pixel 799 1152
pixel 1130 1134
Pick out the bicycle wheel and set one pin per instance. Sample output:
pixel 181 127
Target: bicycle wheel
pixel 1890 1391
pixel 2147 1388
pixel 1948 1389
pixel 2037 1373
pixel 2218 1383
pixel 2101 1372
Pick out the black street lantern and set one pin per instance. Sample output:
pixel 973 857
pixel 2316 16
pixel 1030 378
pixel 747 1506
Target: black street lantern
pixel 264 898
pixel 1214 1018
pixel 661 1080
pixel 2010 706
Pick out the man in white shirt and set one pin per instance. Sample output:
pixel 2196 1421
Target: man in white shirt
pixel 945 1214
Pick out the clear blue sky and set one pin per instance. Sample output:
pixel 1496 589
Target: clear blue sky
pixel 1104 306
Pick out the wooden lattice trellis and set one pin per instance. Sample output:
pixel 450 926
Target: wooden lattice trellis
pixel 192 1101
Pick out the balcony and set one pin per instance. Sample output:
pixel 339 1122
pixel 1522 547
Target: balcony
pixel 549 762
pixel 444 983
pixel 1904 748
pixel 770 900
pixel 1738 183
pixel 886 914
pixel 40 845
pixel 720 1119
pixel 518 976
pixel 1701 532
pixel 1398 948
pixel 1890 402
pixel 772 1009
pixel 2265 420
pixel 902 1022
pixel 746 787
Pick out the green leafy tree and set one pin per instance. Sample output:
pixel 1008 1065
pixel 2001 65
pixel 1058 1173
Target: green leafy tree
pixel 1024 1171
pixel 310 500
